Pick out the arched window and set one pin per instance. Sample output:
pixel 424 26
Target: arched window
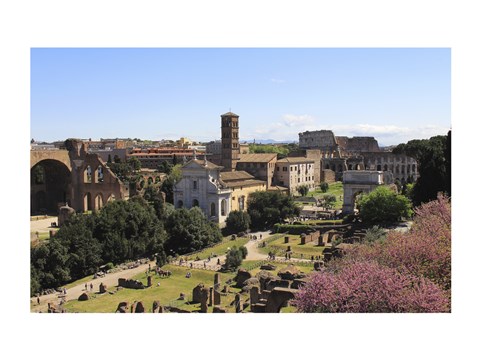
pixel 179 204
pixel 350 167
pixel 212 209
pixel 385 167
pixel 99 177
pixel 223 207
pixel 87 202
pixel 327 167
pixel 379 167
pixel 150 180
pixel 98 202
pixel 195 202
pixel 87 175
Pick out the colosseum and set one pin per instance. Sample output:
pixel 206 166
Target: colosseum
pixel 336 154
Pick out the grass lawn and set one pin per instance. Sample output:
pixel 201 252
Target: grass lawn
pixel 335 188
pixel 279 247
pixel 167 293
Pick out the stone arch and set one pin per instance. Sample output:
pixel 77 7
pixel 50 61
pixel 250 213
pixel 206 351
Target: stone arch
pixel 150 180
pixel 379 167
pixel 357 167
pixel 278 298
pixel 356 182
pixel 87 202
pixel 87 175
pixel 51 180
pixel 327 167
pixel 99 174
pixel 333 167
pixel 179 204
pixel 213 211
pixel 350 167
pixel 111 197
pixel 157 179
pixel 195 203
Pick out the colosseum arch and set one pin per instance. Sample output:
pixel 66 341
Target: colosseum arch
pixel 50 186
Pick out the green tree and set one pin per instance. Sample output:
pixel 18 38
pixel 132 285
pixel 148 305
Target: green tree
pixel 121 170
pixel 189 230
pixel 383 205
pixel 234 258
pixel 134 163
pixel 267 208
pixel 237 221
pixel 434 166
pixel 129 230
pixel 324 187
pixel 303 189
pixel 167 185
pixel 329 200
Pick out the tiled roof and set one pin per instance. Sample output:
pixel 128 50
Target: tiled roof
pixel 230 114
pixel 295 160
pixel 235 176
pixel 257 157
pixel 249 182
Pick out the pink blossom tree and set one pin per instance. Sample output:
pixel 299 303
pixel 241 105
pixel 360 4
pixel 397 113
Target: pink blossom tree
pixel 361 287
pixel 408 272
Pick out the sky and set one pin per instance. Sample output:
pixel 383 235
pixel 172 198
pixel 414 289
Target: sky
pixel 393 94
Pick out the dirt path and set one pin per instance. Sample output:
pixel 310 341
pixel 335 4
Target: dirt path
pixel 42 226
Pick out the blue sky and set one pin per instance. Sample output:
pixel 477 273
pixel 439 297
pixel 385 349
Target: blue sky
pixel 394 94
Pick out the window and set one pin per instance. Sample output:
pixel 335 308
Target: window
pixel 223 207
pixel 212 209
pixel 195 203
pixel 194 184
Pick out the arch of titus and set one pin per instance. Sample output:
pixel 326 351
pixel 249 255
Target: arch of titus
pixel 356 182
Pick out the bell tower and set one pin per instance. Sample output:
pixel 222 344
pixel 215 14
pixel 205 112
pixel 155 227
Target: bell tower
pixel 230 141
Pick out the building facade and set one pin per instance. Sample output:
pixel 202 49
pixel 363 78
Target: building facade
pixel 293 172
pixel 202 186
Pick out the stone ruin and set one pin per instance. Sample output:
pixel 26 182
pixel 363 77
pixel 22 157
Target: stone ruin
pixel 102 288
pixel 269 292
pixel 197 293
pixel 83 297
pixel 122 307
pixel 65 213
pixel 157 308
pixel 130 284
pixel 137 307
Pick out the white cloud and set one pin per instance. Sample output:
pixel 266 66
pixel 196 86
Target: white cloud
pixel 288 127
